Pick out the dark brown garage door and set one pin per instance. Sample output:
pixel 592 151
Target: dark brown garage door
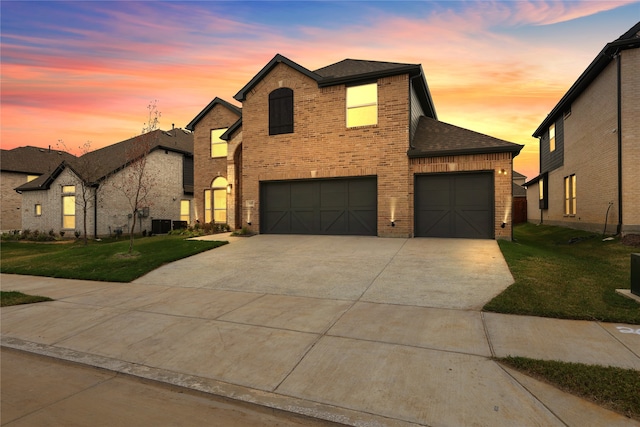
pixel 321 206
pixel 454 205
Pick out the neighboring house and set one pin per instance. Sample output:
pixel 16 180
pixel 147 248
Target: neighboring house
pixel 54 200
pixel 21 165
pixel 590 147
pixel 352 148
pixel 519 198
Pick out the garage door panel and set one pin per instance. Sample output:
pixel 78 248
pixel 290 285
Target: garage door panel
pixel 454 205
pixel 332 206
pixel 279 220
pixel 302 222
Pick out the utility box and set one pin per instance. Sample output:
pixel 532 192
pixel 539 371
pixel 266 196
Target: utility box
pixel 635 274
pixel 180 225
pixel 160 226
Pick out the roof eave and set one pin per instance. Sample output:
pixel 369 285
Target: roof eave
pixel 416 153
pixel 594 69
pixel 216 101
pixel 334 81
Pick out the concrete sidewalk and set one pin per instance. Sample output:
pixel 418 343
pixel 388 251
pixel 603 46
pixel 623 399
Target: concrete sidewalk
pixel 319 329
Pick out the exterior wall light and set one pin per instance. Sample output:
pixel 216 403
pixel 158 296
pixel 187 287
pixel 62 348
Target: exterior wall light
pixel 229 187
pixel 393 223
pixel 504 224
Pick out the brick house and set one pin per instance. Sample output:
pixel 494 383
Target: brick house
pixel 19 166
pixel 351 148
pixel 53 201
pixel 590 147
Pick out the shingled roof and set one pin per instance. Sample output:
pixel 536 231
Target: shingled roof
pixel 32 160
pixel 434 138
pixel 112 158
pixel 349 71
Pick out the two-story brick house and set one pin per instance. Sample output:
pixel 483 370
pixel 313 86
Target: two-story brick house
pixel 590 147
pixel 351 148
pixel 55 200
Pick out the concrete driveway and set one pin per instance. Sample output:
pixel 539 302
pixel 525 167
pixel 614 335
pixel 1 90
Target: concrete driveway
pixel 358 330
pixel 445 273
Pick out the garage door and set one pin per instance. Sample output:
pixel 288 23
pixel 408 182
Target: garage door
pixel 327 206
pixel 454 205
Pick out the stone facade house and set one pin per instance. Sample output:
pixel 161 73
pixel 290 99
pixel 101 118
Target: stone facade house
pixel 54 201
pixel 19 166
pixel 590 147
pixel 352 148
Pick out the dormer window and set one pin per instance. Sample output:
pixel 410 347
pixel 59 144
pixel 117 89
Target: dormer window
pixel 362 105
pixel 281 111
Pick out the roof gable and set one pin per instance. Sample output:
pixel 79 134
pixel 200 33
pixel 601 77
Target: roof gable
pixel 216 101
pixel 629 40
pixel 434 138
pixel 278 59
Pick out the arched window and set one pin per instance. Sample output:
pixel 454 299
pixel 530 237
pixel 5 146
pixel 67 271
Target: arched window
pixel 281 111
pixel 218 202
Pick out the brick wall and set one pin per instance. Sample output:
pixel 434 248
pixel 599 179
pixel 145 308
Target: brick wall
pixel 165 168
pixel 630 66
pixel 591 153
pixel 206 168
pixel 10 216
pixel 476 162
pixel 323 147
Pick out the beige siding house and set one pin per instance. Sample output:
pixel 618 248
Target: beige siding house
pixel 351 148
pixel 54 200
pixel 590 147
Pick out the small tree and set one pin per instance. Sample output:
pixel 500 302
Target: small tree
pixel 135 182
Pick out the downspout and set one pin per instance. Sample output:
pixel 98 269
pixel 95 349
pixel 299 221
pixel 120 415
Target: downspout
pixel 619 89
pixel 95 212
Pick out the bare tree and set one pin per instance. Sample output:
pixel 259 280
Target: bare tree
pixel 135 182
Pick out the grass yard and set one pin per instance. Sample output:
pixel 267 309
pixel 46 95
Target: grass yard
pixel 613 388
pixel 105 260
pixel 8 298
pixel 568 274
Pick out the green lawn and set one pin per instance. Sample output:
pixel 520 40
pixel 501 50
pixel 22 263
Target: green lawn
pixel 613 388
pixel 566 273
pixel 105 260
pixel 8 298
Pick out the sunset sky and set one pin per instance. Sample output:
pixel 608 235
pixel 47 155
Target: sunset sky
pixel 86 70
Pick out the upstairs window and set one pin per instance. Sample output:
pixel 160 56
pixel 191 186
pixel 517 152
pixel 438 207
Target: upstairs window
pixel 218 146
pixel 552 137
pixel 37 209
pixel 362 105
pixel 281 111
